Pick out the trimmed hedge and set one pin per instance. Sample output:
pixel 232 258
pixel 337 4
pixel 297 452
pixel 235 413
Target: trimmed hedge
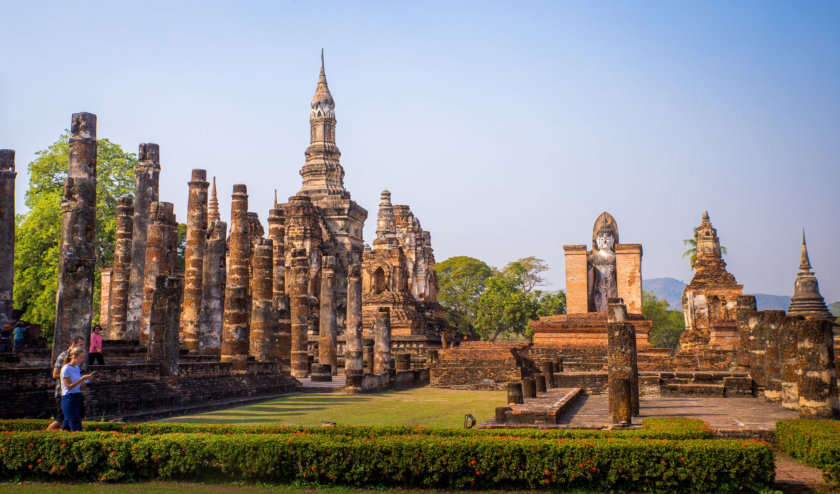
pixel 410 460
pixel 816 442
pixel 652 428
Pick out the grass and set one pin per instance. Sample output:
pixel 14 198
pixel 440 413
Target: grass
pixel 420 406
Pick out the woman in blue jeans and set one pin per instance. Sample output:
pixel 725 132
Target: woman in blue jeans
pixel 72 381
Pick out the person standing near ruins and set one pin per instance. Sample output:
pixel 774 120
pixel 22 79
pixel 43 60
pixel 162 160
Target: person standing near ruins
pixel 72 381
pixel 58 419
pixel 5 338
pixel 95 353
pixel 20 335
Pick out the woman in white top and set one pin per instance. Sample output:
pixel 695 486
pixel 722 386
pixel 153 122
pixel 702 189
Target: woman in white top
pixel 72 381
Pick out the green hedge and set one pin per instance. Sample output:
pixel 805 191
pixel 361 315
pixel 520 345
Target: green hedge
pixel 410 461
pixel 653 428
pixel 816 442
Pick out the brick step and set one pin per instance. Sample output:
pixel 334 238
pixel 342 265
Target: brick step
pixel 693 389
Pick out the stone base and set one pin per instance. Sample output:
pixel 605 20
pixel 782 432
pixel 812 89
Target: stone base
pixel 584 330
pixel 321 373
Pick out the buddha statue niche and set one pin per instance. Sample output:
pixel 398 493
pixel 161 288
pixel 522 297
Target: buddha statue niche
pixel 600 266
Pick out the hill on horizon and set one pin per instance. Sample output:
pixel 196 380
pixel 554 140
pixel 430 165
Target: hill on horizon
pixel 671 289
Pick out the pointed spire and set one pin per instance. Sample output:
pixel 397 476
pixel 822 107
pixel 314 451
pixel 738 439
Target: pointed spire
pixel 386 226
pixel 705 217
pixel 804 262
pixel 213 207
pixel 275 198
pixel 323 99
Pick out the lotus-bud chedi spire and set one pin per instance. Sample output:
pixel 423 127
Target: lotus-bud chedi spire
pixel 806 300
pixel 213 207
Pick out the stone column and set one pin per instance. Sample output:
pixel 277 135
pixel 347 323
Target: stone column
pixel 790 361
pixel 7 234
pixel 164 347
pixel 194 260
pixel 145 194
pixel 77 247
pixel 235 331
pixel 745 305
pixel 276 232
pixel 773 320
pixel 162 241
pixel 299 309
pixel 547 370
pixel 213 289
pixel 353 358
pixel 105 299
pixel 382 341
pixel 755 322
pixel 817 379
pixel 367 354
pixel 327 337
pixel 620 336
pixel 122 269
pixel 263 316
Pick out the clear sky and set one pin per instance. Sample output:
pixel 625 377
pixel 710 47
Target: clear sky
pixel 506 126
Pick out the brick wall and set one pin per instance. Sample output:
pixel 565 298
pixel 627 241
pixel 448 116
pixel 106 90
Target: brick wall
pixel 577 298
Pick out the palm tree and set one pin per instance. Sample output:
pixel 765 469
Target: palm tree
pixel 691 253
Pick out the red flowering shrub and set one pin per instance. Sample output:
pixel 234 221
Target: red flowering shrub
pixel 816 442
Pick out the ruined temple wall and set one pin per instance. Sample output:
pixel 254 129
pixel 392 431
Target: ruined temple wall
pixel 577 290
pixel 628 268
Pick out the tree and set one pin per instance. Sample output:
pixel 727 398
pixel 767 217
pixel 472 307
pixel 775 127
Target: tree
pixel 38 231
pixel 461 281
pixel 835 311
pixel 691 252
pixel 668 325
pixel 504 310
pixel 511 300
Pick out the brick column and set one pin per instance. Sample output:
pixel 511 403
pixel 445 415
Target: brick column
pixel 164 346
pixel 235 330
pixel 263 315
pixel 790 362
pixel 628 269
pixel 276 232
pixel 162 241
pixel 328 335
pixel 122 269
pixel 213 289
pixel 382 341
pixel 577 292
pixel 7 234
pixel 145 194
pixel 773 320
pixel 620 362
pixel 745 305
pixel 299 309
pixel 77 247
pixel 817 378
pixel 353 356
pixel 755 322
pixel 194 260
pixel 105 299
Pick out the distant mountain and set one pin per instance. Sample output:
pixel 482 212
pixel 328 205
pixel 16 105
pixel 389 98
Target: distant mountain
pixel 671 290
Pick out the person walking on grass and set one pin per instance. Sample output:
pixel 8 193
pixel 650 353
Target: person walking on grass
pixel 58 419
pixel 95 354
pixel 72 381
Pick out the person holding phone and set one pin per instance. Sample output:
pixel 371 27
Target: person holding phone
pixel 72 381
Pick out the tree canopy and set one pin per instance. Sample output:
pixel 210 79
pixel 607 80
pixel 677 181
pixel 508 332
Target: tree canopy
pixel 668 325
pixel 492 303
pixel 38 231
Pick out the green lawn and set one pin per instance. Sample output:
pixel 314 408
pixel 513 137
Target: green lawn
pixel 421 406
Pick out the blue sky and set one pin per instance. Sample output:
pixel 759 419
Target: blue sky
pixel 507 127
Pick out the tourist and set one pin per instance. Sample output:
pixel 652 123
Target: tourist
pixel 5 338
pixel 95 353
pixel 20 334
pixel 72 381
pixel 56 374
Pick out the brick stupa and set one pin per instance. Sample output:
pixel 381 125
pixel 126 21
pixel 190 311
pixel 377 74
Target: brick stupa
pixel 709 301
